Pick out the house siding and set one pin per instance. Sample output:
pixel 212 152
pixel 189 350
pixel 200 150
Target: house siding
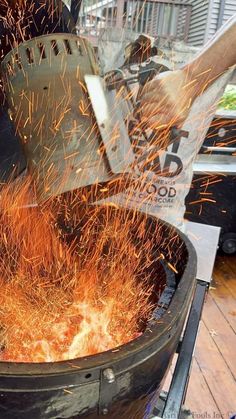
pixel 213 16
pixel 213 19
pixel 230 9
pixel 205 18
pixel 198 22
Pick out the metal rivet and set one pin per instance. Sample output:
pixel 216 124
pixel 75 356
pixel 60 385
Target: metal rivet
pixel 221 132
pixel 105 411
pixel 109 375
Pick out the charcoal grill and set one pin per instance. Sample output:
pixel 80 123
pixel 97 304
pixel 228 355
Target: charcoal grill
pixel 118 383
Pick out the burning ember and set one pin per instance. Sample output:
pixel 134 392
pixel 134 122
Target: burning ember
pixel 74 280
pixel 67 296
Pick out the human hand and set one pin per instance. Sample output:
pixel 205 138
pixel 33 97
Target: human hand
pixel 165 101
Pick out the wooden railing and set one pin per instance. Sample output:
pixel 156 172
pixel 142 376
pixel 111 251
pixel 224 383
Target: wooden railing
pixel 166 18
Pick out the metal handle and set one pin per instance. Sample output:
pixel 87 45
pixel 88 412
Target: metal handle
pixel 221 150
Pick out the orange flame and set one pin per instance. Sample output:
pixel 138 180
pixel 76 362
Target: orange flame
pixel 60 300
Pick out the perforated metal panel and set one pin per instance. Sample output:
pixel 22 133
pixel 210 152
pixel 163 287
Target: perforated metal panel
pixel 51 110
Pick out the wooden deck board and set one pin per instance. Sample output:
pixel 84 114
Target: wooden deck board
pixel 212 387
pixel 199 397
pixel 216 372
pixel 225 302
pixel 221 332
pixel 225 271
pixel 214 379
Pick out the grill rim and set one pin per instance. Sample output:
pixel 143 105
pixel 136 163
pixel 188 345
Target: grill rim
pixel 35 376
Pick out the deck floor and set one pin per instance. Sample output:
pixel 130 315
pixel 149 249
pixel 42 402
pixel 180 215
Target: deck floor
pixel 212 386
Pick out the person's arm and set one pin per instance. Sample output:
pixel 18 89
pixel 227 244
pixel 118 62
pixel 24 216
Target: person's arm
pixel 165 101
